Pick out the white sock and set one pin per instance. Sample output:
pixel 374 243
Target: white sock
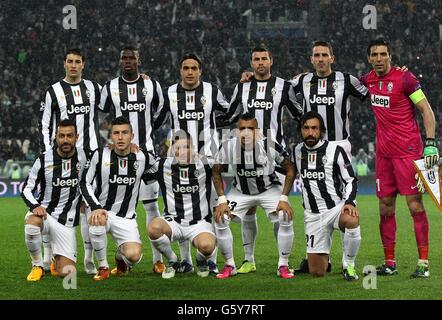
pixel 225 242
pixel 249 228
pixel 47 251
pixel 352 238
pixel 285 242
pixel 98 238
pixel 152 211
pixel 88 249
pixel 185 253
pixel 162 244
pixel 344 245
pixel 33 243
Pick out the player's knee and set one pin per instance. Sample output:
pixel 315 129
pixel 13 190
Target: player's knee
pixel 387 206
pixel 222 226
pixel 317 273
pixel 34 221
pixel 133 254
pixel 415 205
pixel 155 229
pixel 32 230
pixel 97 231
pixel 350 223
pixel 206 246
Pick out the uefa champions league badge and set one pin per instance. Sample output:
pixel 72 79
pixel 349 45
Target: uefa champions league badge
pixel 203 100
pixel 324 160
pixel 273 91
pixel 136 165
pixel 390 87
pixel 144 91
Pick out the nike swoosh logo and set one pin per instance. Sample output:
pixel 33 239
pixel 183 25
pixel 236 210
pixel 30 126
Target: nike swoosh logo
pixel 285 253
pixel 246 244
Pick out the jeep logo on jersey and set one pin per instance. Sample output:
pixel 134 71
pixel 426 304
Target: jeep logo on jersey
pixel 313 175
pixel 190 115
pixel 267 105
pixel 133 106
pixel 188 189
pixel 322 100
pixel 250 173
pixel 380 101
pixel 122 180
pixel 65 182
pixel 72 109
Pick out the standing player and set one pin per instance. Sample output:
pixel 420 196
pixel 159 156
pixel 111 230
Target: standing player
pixel 329 189
pixel 191 105
pixel 255 184
pixel 57 210
pixel 140 101
pixel 76 99
pixel 265 97
pixel 394 95
pixel 186 185
pixel 110 188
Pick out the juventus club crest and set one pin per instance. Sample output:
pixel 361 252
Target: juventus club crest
pixel 390 87
pixel 78 167
pixel 203 100
pixel 144 91
pixel 334 85
pixel 324 160
pixel 431 179
pixel 136 165
pixel 273 91
pixel 196 173
pixel 88 94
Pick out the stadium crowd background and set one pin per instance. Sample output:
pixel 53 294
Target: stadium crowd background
pixel 222 32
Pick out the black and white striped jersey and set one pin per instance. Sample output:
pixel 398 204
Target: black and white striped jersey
pixel 112 182
pixel 330 97
pixel 187 190
pixel 253 168
pixel 140 101
pixel 194 112
pixel 326 174
pixel 266 100
pixel 78 102
pixel 58 181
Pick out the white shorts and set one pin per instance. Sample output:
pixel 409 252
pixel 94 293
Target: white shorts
pixel 345 144
pixel 240 203
pixel 122 230
pixel 181 232
pixel 63 239
pixel 149 191
pixel 319 229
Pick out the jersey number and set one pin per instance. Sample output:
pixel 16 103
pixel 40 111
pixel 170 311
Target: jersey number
pixel 232 205
pixel 310 238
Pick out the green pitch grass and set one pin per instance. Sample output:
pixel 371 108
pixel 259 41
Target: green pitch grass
pixel 264 284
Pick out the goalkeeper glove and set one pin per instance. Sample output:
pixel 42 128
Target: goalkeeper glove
pixel 431 153
pixel 419 184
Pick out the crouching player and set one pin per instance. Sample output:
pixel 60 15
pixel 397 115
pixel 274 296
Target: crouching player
pixel 57 211
pixel 186 186
pixel 110 188
pixel 253 160
pixel 329 189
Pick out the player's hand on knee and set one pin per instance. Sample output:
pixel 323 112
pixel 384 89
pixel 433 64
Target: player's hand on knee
pixel 221 210
pixel 40 212
pixel 350 210
pixel 246 76
pixel 98 217
pixel 431 153
pixel 285 207
pixel 419 184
